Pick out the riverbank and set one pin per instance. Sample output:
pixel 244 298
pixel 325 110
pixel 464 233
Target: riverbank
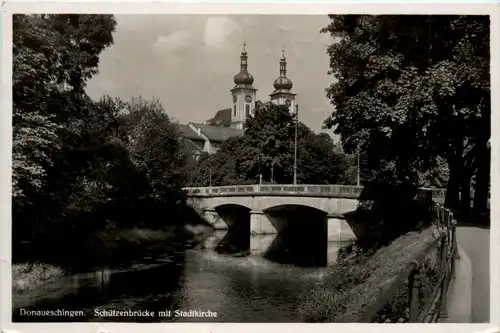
pixel 28 277
pixel 359 278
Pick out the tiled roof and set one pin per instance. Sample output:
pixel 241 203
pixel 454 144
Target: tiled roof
pixel 216 133
pixel 222 118
pixel 187 132
pixel 191 145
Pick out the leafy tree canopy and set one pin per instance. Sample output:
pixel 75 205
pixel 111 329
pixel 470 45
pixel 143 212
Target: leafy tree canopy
pixel 49 50
pixel 267 149
pixel 409 89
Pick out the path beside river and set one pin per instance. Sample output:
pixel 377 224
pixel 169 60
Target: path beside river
pixel 475 242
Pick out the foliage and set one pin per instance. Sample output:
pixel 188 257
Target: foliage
pixel 436 176
pixel 269 134
pixel 156 151
pixel 386 212
pixel 81 165
pixel 27 277
pixel 412 81
pixel 319 162
pixel 45 55
pixel 222 168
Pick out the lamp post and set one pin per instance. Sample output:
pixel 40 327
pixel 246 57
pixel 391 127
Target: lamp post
pixel 209 168
pixel 295 152
pixel 272 172
pixel 358 183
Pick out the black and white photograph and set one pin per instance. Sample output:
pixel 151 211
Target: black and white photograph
pixel 250 168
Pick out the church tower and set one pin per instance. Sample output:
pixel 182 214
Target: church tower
pixel 282 94
pixel 243 93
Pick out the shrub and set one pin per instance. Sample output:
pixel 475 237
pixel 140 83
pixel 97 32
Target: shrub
pixel 388 211
pixel 26 277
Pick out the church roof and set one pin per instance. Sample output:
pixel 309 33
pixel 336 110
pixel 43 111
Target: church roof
pixel 188 133
pixel 221 118
pixel 217 133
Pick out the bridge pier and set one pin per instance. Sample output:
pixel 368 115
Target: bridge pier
pixel 260 224
pixel 212 217
pixel 339 230
pixel 260 244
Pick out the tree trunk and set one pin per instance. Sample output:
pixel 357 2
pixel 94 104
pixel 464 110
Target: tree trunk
pixel 452 199
pixel 455 165
pixel 482 180
pixel 465 198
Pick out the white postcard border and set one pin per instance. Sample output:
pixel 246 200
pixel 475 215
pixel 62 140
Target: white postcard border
pixel 303 7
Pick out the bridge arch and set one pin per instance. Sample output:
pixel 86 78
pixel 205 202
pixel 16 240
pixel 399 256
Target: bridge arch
pixel 243 201
pixel 235 216
pixel 229 205
pixel 325 204
pixel 297 218
pixel 295 207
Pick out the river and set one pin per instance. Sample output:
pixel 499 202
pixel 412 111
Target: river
pixel 236 279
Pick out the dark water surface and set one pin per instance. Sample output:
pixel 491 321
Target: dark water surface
pixel 240 278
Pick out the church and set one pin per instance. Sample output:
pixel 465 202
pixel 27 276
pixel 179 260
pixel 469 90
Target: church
pixel 227 123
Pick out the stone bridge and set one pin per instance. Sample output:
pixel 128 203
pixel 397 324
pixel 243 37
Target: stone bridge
pixel 311 215
pixel 268 209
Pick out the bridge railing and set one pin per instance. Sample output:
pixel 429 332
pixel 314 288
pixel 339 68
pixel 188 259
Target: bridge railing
pixel 275 189
pixel 328 190
pixel 443 251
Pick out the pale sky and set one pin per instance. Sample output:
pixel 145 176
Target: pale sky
pixel 189 61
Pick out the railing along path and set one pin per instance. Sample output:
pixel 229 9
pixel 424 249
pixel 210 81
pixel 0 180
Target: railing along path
pixel 434 307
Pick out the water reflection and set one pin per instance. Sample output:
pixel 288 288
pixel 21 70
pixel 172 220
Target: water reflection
pixel 300 250
pixel 234 243
pixel 242 278
pixel 150 286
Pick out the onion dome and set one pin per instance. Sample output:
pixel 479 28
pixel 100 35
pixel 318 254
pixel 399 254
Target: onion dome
pixel 283 82
pixel 243 77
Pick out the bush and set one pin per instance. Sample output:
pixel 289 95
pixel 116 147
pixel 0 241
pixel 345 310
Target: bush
pixel 27 277
pixel 388 211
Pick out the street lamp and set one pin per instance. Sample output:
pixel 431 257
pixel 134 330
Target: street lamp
pixel 358 183
pixel 209 168
pixel 272 172
pixel 295 152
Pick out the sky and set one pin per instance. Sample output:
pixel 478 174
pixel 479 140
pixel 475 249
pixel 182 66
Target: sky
pixel 189 61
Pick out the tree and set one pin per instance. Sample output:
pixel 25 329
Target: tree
pixel 49 51
pixel 223 168
pixel 436 177
pixel 155 148
pixel 47 54
pixel 319 161
pixel 410 89
pixel 269 136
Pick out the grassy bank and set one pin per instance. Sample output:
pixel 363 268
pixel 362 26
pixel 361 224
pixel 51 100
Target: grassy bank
pixel 27 277
pixel 359 279
pixel 114 238
pixel 104 246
